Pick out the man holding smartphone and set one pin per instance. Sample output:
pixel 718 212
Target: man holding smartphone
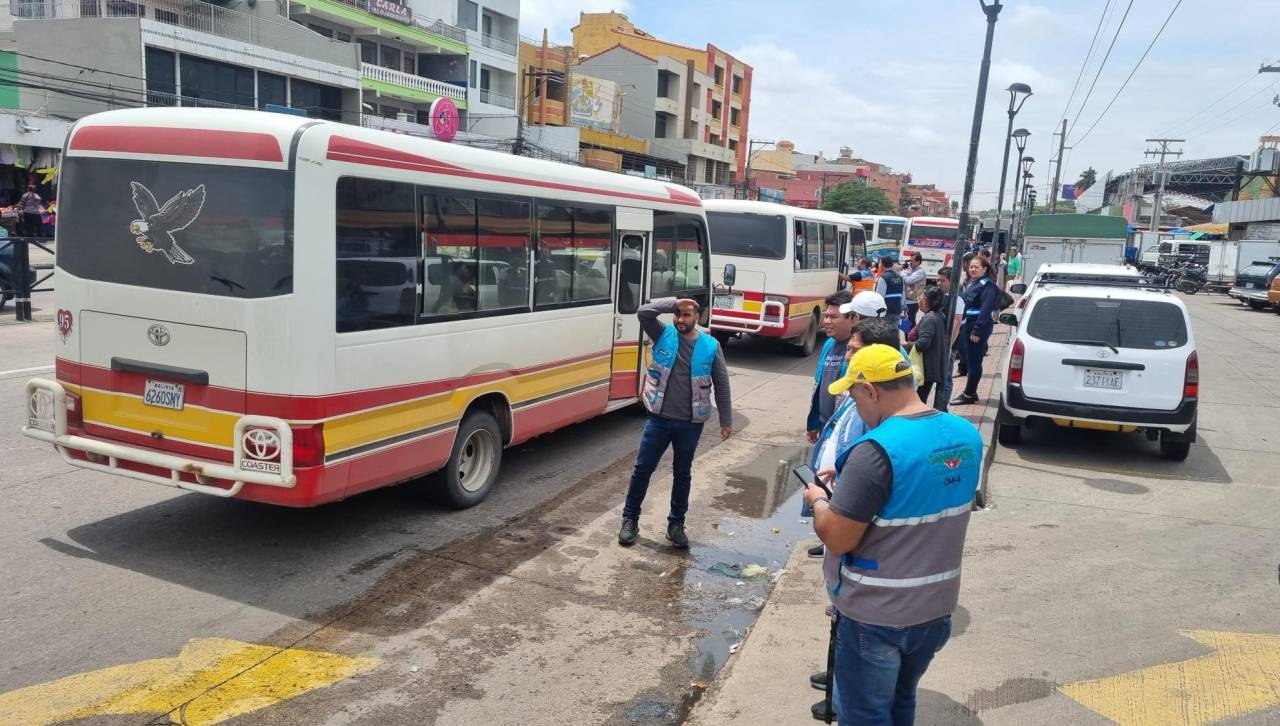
pixel 894 529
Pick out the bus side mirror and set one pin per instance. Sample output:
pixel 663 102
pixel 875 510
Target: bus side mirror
pixel 730 274
pixel 1009 319
pixel 1018 288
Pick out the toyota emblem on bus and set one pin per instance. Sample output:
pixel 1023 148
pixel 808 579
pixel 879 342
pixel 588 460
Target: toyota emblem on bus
pixel 158 334
pixel 262 444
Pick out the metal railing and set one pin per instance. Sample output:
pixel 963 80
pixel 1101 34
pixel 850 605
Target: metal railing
pixel 160 98
pixel 408 80
pixel 497 99
pixel 431 25
pixel 199 16
pixel 498 43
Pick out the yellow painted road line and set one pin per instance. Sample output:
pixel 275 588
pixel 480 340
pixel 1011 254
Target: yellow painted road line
pixel 194 678
pixel 1240 677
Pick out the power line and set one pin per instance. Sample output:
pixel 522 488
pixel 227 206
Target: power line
pixel 1199 128
pixel 1096 31
pixel 1136 66
pixel 1241 117
pixel 1209 106
pixel 1102 65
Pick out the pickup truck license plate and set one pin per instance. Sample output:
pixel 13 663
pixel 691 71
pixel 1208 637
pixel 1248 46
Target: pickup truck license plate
pixel 1101 378
pixel 723 302
pixel 163 394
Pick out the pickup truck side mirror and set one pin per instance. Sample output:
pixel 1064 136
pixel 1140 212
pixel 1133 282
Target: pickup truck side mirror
pixel 730 274
pixel 1018 288
pixel 1009 319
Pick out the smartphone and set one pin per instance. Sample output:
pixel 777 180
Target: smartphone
pixel 806 475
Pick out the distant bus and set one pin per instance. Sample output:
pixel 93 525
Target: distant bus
pixel 934 238
pixel 787 260
pixel 884 233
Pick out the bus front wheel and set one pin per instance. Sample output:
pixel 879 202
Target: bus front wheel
pixel 474 463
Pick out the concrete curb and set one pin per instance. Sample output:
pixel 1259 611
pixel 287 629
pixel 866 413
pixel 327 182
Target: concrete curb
pixel 987 427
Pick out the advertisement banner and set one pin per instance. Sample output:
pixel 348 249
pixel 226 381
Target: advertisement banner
pixel 593 103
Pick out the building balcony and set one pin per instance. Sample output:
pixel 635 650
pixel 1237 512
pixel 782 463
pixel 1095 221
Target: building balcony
pixel 428 35
pixel 500 44
pixel 552 112
pixel 201 17
pixel 494 98
pixel 388 82
pixel 667 105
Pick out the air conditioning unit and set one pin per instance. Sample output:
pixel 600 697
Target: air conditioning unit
pixel 1267 160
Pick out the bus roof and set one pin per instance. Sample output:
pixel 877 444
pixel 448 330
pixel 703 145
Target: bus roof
pixel 747 206
pixel 270 140
pixel 936 221
pixel 875 217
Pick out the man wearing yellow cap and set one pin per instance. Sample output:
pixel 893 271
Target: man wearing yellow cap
pixel 894 530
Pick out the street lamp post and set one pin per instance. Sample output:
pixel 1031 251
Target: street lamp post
pixel 1026 191
pixel 992 11
pixel 1015 105
pixel 1017 179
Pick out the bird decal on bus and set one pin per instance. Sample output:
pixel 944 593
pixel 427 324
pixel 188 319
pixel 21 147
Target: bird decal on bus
pixel 154 230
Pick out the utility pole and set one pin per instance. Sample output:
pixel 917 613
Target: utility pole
pixel 1161 152
pixel 1057 170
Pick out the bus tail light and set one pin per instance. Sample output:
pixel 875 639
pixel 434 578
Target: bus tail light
pixel 1015 361
pixel 75 410
pixel 308 445
pixel 1191 379
pixel 781 299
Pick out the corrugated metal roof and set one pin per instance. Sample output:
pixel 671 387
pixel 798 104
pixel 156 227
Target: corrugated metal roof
pixel 1249 210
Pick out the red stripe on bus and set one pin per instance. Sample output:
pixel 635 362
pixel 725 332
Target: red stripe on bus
pixel 206 143
pixel 183 448
pixel 300 407
pixel 359 152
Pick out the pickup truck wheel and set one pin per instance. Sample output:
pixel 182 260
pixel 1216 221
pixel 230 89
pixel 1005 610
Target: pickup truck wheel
pixel 1173 450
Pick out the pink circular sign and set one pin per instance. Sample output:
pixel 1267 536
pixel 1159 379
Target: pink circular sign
pixel 444 118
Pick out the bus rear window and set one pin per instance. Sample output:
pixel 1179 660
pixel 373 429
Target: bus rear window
pixel 200 228
pixel 748 235
pixel 891 231
pixel 922 231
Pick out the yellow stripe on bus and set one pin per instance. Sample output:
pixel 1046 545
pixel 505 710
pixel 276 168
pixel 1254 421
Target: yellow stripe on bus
pixel 626 359
pixel 199 425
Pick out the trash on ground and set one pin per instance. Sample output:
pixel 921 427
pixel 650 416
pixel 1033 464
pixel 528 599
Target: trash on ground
pixel 777 530
pixel 734 648
pixel 722 568
pixel 804 521
pixel 777 575
pixel 755 603
pixel 754 570
pixel 733 601
pixel 413 669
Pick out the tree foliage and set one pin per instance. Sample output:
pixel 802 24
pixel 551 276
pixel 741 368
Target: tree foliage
pixel 1088 178
pixel 856 198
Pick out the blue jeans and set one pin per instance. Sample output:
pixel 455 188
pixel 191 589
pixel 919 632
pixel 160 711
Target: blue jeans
pixel 877 670
pixel 659 433
pixel 973 355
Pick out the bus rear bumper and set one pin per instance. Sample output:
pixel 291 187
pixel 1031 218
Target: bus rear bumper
pixel 737 321
pixel 47 422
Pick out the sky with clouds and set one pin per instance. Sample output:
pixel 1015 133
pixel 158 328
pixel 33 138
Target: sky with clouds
pixel 896 81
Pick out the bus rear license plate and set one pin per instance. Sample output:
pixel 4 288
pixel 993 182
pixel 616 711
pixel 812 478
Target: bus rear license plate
pixel 723 302
pixel 1095 378
pixel 163 394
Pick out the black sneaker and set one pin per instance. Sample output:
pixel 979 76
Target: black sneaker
pixel 675 533
pixel 821 712
pixel 819 551
pixel 819 680
pixel 964 400
pixel 627 535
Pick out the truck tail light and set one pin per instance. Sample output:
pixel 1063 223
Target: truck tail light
pixel 1015 361
pixel 308 445
pixel 1191 380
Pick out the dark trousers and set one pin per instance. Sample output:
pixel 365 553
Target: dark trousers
pixel 939 397
pixel 659 433
pixel 973 355
pixel 878 669
pixel 29 225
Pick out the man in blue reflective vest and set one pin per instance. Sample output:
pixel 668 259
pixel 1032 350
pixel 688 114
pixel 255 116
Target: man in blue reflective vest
pixel 894 528
pixel 891 286
pixel 687 363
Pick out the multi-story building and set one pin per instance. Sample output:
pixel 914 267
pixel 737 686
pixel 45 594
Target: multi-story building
pixel 545 71
pixel 706 91
pixel 492 34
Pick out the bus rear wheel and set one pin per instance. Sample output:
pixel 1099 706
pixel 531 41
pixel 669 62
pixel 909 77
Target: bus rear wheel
pixel 809 341
pixel 474 462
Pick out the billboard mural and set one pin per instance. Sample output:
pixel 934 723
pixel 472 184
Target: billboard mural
pixel 594 102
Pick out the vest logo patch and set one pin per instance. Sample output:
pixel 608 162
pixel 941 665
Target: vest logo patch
pixel 952 463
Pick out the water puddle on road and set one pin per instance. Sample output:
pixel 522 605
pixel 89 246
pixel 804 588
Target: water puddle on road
pixel 757 525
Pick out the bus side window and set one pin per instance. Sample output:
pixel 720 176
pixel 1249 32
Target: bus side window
pixel 503 228
pixel 450 255
pixel 662 281
pixel 829 253
pixel 691 238
pixel 377 255
pixel 800 245
pixel 573 254
pixel 812 246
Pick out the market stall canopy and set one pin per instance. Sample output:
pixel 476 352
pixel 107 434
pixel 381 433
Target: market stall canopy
pixel 1208 228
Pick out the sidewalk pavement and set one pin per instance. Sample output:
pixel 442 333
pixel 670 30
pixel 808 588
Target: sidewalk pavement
pixel 767 680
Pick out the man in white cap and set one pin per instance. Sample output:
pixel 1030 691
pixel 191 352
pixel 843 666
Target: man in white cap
pixel 866 304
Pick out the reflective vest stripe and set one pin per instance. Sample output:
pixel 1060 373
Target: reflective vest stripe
pixel 907 521
pixel 898 582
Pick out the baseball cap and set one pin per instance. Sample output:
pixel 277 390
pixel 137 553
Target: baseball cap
pixel 876 363
pixel 868 304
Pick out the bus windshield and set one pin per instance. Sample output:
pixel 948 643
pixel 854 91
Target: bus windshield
pixel 748 235
pixel 891 231
pixel 923 235
pixel 213 230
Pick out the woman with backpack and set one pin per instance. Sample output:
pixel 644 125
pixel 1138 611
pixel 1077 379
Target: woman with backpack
pixel 980 296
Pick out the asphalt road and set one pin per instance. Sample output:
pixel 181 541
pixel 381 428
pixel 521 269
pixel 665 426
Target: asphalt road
pixel 102 572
